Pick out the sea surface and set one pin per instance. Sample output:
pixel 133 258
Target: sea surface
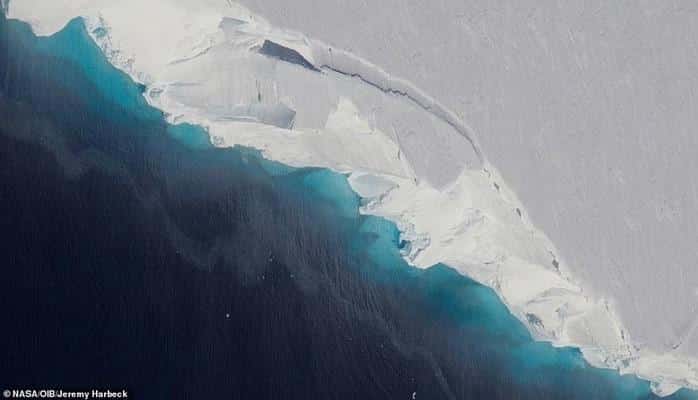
pixel 137 256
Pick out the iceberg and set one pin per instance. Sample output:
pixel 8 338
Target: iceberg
pixel 411 159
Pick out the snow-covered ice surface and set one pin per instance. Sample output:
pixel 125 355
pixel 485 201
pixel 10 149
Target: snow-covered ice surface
pixel 585 110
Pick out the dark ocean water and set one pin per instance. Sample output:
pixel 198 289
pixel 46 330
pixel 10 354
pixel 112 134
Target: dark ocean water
pixel 137 256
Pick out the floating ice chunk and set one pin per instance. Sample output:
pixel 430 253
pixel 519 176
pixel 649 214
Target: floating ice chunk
pixel 370 186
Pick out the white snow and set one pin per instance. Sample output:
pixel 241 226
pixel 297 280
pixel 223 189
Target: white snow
pixel 413 160
pixel 586 108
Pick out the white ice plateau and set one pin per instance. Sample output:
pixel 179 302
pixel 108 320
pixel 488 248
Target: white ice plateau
pixel 306 103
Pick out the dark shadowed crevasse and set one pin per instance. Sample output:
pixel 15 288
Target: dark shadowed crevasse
pixel 283 53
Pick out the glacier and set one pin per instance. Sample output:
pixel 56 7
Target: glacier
pixel 411 159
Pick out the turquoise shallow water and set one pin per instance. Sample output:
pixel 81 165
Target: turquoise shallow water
pixel 369 325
